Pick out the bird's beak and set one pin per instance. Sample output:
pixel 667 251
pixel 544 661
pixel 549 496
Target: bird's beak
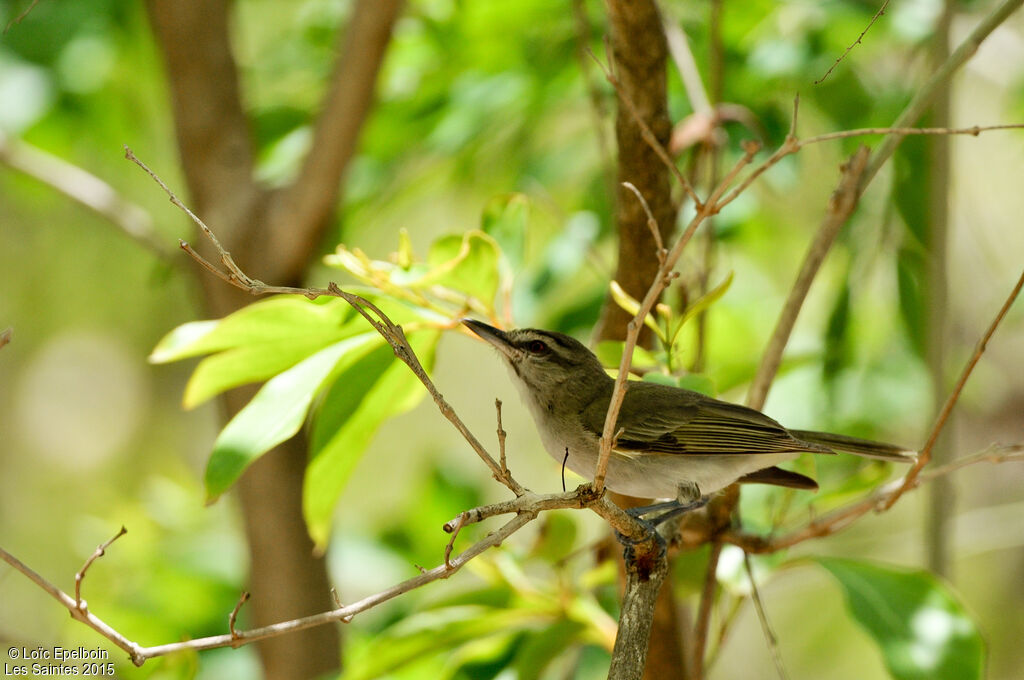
pixel 495 336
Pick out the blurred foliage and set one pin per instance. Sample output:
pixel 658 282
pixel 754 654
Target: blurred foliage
pixel 481 152
pixel 921 628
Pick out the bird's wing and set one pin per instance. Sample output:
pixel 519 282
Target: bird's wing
pixel 689 423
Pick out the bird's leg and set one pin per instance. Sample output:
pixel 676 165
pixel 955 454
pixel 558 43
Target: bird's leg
pixel 667 510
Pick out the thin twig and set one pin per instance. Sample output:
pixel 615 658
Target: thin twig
pixel 841 205
pixel 652 223
pixel 646 133
pixel 843 517
pixel 762 616
pixel 456 527
pixel 78 613
pixel 682 56
pixel 390 331
pixel 98 553
pixel 940 77
pixel 707 600
pixel 243 598
pixel 973 131
pixel 140 655
pixel 501 439
pixel 940 421
pixel 17 19
pixel 880 12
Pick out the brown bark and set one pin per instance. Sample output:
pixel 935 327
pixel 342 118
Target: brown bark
pixel 640 54
pixel 274 236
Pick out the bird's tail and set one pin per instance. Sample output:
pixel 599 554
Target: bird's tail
pixel 860 447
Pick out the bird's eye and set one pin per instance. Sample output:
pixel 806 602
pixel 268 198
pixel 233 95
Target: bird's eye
pixel 537 347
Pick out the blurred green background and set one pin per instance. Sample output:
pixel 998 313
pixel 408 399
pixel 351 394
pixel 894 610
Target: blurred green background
pixel 478 100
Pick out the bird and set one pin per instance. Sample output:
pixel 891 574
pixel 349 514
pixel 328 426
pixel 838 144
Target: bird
pixel 671 443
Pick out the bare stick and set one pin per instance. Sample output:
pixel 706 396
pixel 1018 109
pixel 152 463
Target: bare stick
pixel 17 19
pixel 841 518
pixel 390 331
pixel 703 622
pixel 924 95
pixel 682 55
pixel 762 616
pixel 652 223
pixel 501 439
pixel 973 131
pixel 880 12
pixel 140 654
pixel 940 422
pixel 98 553
pixel 455 529
pixel 840 207
pixel 78 613
pixel 662 279
pixel 243 598
pixel 647 134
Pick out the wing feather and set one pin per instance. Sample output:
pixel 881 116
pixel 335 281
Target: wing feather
pixel 662 419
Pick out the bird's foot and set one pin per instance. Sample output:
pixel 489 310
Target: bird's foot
pixel 660 513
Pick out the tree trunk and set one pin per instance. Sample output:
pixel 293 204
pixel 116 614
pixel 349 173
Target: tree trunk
pixel 640 54
pixel 273 236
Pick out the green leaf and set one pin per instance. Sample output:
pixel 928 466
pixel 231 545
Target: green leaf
pixel 923 631
pixel 703 302
pixel 362 396
pixel 837 335
pixel 698 382
pixel 250 363
pixel 275 413
pixel 609 352
pixel 271 320
pixel 434 632
pixel 536 651
pixel 632 306
pixel 467 263
pixel 910 278
pixel 178 343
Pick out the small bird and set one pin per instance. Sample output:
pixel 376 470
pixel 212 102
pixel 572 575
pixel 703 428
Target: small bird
pixel 672 443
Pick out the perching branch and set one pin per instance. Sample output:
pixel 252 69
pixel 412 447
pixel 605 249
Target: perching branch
pixel 139 654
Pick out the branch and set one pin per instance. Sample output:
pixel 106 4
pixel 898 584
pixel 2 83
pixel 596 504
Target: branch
pixel 919 104
pixel 87 190
pixel 647 134
pixel 926 452
pixel 213 132
pixel 18 19
pixel 78 613
pixel 841 518
pixel 98 553
pixel 300 214
pixel 5 336
pixel 762 617
pixel 139 654
pixel 880 12
pixel 840 207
